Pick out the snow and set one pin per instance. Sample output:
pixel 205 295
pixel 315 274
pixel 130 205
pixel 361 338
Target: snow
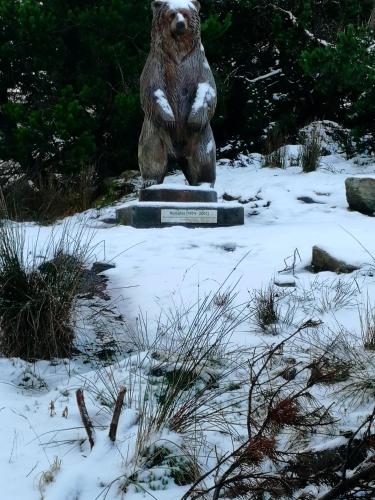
pixel 180 4
pixel 264 77
pixel 167 204
pixel 308 33
pixel 205 93
pixel 210 147
pixel 180 17
pixel 162 101
pixel 157 268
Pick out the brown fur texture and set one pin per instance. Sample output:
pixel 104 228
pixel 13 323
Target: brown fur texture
pixel 178 97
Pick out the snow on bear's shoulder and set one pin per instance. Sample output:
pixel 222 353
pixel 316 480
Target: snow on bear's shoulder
pixel 180 4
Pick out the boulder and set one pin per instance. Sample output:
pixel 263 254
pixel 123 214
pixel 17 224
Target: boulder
pixel 323 261
pixel 360 193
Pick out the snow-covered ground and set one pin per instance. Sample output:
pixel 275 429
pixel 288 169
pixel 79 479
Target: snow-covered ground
pixel 157 270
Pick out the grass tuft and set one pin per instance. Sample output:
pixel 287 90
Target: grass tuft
pixel 266 309
pixel 275 154
pixel 367 324
pixel 311 150
pixel 38 294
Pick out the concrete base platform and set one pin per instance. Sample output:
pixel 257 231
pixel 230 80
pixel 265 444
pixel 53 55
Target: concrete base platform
pixel 164 214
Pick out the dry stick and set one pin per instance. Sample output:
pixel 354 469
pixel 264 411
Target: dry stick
pixel 116 414
pixel 85 416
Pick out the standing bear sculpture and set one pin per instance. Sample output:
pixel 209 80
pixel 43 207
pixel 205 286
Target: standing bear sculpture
pixel 178 97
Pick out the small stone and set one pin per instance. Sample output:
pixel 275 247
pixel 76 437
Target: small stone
pixel 109 220
pixel 100 267
pixel 360 194
pixel 229 247
pixel 308 200
pixel 323 261
pixel 285 281
pixel 229 197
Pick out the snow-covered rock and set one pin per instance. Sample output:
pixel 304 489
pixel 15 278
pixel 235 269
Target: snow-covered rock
pixel 334 138
pixel 323 261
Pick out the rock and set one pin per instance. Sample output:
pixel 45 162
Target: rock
pixel 323 261
pixel 91 283
pixel 308 200
pixel 360 194
pixel 99 267
pixel 285 281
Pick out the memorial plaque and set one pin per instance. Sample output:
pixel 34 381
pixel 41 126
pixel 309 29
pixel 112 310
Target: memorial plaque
pixel 188 216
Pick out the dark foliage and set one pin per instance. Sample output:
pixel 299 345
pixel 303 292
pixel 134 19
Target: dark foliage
pixel 69 73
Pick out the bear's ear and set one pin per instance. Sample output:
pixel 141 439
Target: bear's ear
pixel 197 5
pixel 156 5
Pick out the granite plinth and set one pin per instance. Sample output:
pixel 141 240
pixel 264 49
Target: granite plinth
pixel 181 195
pixel 164 214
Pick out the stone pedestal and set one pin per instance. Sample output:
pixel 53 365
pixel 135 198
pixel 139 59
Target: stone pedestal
pixel 181 194
pixel 164 206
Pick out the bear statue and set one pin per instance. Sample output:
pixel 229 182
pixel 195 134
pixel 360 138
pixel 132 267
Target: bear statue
pixel 178 97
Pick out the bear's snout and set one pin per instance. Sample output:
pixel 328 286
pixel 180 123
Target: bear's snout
pixel 179 24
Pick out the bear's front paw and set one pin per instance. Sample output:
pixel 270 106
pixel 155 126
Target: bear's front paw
pixel 164 110
pixel 168 123
pixel 198 118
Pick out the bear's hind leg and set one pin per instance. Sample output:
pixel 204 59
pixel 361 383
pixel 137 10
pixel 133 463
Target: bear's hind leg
pixel 152 155
pixel 202 163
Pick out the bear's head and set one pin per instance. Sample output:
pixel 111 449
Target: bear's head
pixel 176 19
